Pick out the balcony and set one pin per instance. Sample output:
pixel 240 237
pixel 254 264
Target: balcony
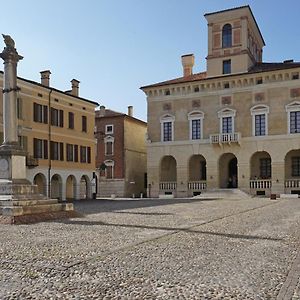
pixel 260 184
pixel 31 162
pixel 225 138
pixel 168 186
pixel 292 183
pixel 197 185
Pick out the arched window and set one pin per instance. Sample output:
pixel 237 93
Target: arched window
pixel 227 36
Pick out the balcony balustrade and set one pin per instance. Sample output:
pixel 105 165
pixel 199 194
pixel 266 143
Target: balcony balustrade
pixel 225 138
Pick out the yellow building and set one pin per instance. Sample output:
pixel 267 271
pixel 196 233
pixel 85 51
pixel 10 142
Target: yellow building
pixel 57 130
pixel 236 125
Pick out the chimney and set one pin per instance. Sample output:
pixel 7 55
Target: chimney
pixel 130 111
pixel 75 87
pixel 45 77
pixel 187 64
pixel 102 111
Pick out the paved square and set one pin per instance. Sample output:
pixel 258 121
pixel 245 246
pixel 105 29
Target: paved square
pixel 157 249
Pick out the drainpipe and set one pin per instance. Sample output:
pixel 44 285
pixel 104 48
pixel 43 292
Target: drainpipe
pixel 49 141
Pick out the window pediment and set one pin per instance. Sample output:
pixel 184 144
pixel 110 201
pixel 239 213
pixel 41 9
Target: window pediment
pixel 196 114
pixel 167 118
pixel 293 106
pixel 226 112
pixel 259 109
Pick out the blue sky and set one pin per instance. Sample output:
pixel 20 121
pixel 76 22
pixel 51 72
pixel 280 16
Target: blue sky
pixel 116 46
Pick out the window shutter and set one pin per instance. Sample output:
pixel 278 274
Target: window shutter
pixel 45 149
pixel 61 148
pixel 45 114
pixel 89 155
pixel 35 146
pixel 61 118
pixel 76 153
pixel 35 112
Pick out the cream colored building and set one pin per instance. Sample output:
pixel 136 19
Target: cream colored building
pixel 57 130
pixel 237 125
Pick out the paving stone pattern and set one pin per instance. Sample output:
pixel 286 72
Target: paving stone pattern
pixel 157 249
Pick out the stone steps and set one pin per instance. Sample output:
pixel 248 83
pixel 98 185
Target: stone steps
pixel 28 202
pixel 224 193
pixel 36 209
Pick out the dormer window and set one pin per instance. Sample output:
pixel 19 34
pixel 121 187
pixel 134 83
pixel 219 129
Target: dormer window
pixel 227 36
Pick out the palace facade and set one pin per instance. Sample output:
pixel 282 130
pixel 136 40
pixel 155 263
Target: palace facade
pixel 236 125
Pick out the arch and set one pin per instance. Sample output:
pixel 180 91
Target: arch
pixel 292 164
pixel 227 36
pixel 56 187
pixel 197 168
pixel 85 187
pixel 71 185
pixel 260 165
pixel 228 171
pixel 40 180
pixel 168 169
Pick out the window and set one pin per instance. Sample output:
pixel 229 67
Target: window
pixel 259 120
pixel 295 122
pixel 226 117
pixel 71 120
pixel 40 148
pixel 265 168
pixel 84 124
pixel 109 145
pixel 227 67
pixel 56 151
pixel 85 154
pixel 70 152
pixel 295 76
pixel 227 125
pixel 293 111
pixel 57 117
pixel 227 36
pixel 40 113
pixel 296 166
pixel 76 153
pixel 259 81
pixel 167 125
pixel 167 131
pixel 109 170
pixel 109 129
pixel 260 125
pixel 196 121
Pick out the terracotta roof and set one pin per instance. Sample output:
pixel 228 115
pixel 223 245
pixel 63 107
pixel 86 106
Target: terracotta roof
pixel 56 90
pixel 258 68
pixel 111 113
pixel 194 77
pixel 264 67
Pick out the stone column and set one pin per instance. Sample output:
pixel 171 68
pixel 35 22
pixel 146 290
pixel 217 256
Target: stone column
pixel 11 58
pixel 12 158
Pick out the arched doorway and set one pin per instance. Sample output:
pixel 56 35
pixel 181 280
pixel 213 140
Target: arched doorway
pixel 292 172
pixel 71 188
pixel 56 187
pixel 168 169
pixel 85 188
pixel 228 171
pixel 168 174
pixel 261 166
pixel 197 168
pixel 40 180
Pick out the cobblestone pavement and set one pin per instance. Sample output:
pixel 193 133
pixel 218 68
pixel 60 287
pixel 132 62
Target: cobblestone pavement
pixel 157 249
